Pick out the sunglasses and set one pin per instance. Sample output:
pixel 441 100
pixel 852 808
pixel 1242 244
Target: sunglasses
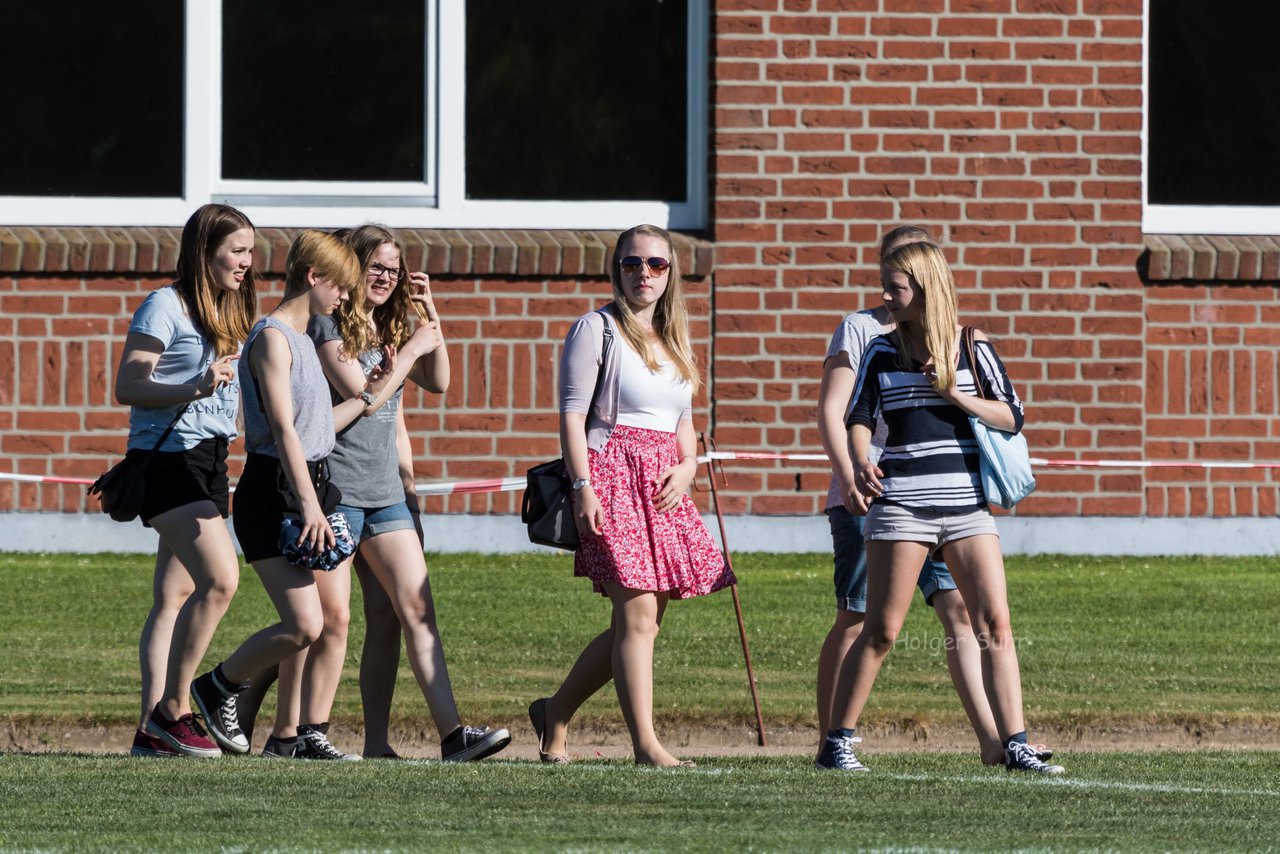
pixel 631 265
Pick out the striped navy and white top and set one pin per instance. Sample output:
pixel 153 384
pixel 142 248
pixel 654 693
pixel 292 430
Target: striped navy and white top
pixel 930 459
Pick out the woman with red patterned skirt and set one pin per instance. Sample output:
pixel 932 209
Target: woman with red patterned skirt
pixel 626 431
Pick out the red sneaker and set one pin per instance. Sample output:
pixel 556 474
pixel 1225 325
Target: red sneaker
pixel 184 736
pixel 146 744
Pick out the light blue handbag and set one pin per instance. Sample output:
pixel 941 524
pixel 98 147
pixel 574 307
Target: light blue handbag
pixel 1005 461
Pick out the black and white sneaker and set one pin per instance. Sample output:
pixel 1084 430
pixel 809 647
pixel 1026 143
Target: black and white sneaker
pixel 217 704
pixel 837 754
pixel 1024 757
pixel 314 744
pixel 469 743
pixel 280 748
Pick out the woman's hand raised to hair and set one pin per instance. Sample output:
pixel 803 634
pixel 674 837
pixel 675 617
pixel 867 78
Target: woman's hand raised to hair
pixel 428 337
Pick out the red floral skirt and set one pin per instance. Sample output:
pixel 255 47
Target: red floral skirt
pixel 638 547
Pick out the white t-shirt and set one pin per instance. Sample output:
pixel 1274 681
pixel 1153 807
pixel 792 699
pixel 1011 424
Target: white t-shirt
pixel 186 357
pixel 648 400
pixel 851 337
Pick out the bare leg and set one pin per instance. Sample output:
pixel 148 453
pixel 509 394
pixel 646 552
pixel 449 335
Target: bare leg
pixel 396 559
pixel 637 616
pixel 978 567
pixel 170 587
pixel 844 631
pixel 197 535
pixel 379 660
pixel 964 662
pixel 892 570
pixel 590 672
pixel 293 592
pixel 326 656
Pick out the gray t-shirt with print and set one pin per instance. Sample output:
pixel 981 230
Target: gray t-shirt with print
pixel 186 357
pixel 364 463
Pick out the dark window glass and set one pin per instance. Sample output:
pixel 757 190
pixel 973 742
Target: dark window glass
pixel 92 98
pixel 1214 117
pixel 576 100
pixel 322 90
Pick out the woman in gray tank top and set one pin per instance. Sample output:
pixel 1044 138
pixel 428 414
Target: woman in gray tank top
pixel 289 431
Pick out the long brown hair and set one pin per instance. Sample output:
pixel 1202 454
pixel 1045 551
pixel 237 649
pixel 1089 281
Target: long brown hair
pixel 927 267
pixel 670 316
pixel 224 316
pixel 391 319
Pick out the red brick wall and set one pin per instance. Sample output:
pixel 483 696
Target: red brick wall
pixel 1010 127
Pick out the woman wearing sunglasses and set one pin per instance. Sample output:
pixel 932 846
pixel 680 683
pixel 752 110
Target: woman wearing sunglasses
pixel 626 431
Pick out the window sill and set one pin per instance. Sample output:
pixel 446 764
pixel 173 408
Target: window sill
pixel 1218 258
pixel 457 252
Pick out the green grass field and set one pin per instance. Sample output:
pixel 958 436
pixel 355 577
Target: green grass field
pixel 1107 645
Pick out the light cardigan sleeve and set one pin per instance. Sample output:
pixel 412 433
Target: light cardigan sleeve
pixel 580 364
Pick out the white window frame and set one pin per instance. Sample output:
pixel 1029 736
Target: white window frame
pixel 1191 219
pixel 438 202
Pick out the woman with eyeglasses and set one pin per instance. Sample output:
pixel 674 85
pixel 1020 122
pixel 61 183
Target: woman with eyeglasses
pixel 372 464
pixel 626 432
pixel 178 366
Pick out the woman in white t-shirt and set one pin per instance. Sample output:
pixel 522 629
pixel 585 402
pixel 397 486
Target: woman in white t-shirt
pixel 630 452
pixel 179 362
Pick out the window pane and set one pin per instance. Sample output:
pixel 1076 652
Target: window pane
pixel 93 98
pixel 1215 104
pixel 576 101
pixel 321 90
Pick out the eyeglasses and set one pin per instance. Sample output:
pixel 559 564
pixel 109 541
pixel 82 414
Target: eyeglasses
pixel 631 265
pixel 378 271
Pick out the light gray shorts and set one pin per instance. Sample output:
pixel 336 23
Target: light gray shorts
pixel 932 528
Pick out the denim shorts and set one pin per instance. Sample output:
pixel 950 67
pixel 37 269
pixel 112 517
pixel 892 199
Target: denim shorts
pixel 368 522
pixel 931 527
pixel 851 565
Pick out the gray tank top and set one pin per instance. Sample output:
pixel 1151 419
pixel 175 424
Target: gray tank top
pixel 312 411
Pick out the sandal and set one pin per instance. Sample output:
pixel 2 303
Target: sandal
pixel 538 717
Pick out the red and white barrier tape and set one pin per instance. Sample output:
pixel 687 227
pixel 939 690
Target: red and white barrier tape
pixel 514 484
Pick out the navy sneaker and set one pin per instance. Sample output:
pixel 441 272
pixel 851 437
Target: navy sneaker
pixel 837 754
pixel 217 704
pixel 473 743
pixel 1023 757
pixel 314 744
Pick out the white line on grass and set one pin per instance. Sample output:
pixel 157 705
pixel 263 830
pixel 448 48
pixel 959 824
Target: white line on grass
pixel 1162 788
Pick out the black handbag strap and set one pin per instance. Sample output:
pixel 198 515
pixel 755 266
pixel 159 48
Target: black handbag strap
pixel 165 435
pixel 605 346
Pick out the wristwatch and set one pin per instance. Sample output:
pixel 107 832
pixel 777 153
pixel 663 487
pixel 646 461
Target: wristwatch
pixel 367 398
pixel 580 483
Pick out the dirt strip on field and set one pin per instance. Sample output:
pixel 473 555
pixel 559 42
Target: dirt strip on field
pixel 703 740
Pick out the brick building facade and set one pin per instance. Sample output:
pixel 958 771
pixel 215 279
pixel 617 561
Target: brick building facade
pixel 1011 128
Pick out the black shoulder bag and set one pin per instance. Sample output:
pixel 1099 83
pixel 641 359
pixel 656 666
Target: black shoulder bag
pixel 121 488
pixel 547 508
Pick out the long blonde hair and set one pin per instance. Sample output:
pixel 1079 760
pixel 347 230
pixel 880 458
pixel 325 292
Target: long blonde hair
pixel 925 265
pixel 670 316
pixel 223 316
